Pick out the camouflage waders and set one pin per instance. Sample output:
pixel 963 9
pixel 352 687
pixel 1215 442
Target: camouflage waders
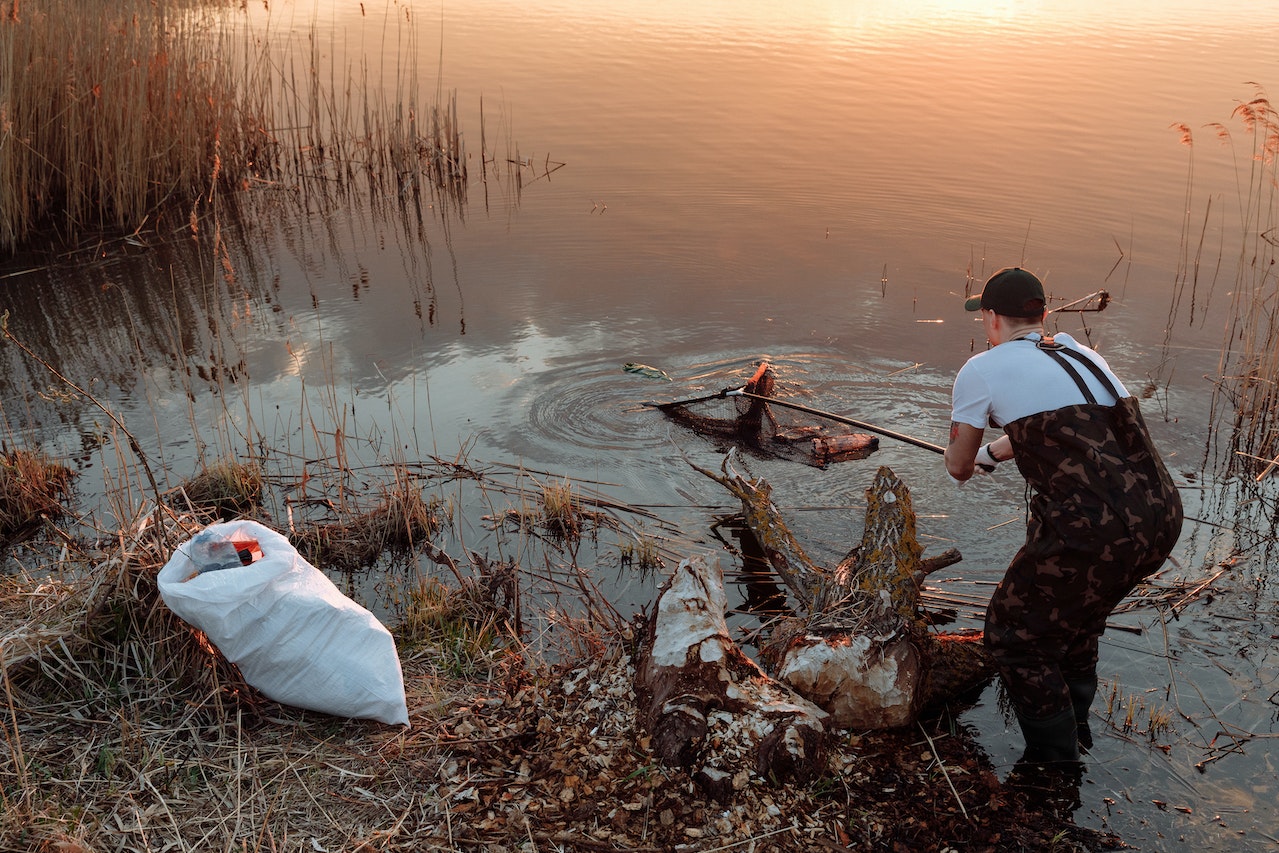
pixel 1103 516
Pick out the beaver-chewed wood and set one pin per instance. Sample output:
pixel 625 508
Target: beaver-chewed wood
pixel 709 708
pixel 858 645
pixel 781 550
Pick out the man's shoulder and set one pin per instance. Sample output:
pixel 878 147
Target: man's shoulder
pixel 990 357
pixel 1069 342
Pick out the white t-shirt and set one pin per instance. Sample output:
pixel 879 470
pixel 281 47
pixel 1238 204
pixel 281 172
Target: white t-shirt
pixel 1016 379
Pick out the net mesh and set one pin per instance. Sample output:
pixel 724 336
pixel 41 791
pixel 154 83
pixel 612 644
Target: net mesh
pixel 753 425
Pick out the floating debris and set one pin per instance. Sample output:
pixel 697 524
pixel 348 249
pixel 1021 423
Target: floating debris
pixel 645 370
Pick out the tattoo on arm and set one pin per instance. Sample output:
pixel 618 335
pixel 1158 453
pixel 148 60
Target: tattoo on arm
pixel 954 431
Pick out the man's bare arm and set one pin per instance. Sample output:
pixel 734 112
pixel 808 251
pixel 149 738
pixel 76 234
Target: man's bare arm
pixel 964 443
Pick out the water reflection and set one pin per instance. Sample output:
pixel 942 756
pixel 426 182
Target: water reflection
pixel 110 316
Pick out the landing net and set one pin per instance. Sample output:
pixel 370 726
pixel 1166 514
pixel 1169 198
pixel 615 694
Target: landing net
pixel 753 425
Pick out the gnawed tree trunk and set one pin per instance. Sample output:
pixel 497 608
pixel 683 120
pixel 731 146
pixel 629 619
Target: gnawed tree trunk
pixel 707 706
pixel 862 651
pixel 859 647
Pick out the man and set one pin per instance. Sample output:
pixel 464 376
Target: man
pixel 1103 516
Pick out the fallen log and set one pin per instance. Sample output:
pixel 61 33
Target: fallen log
pixel 707 706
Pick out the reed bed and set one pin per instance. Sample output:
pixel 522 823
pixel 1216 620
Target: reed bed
pixel 1250 357
pixel 111 112
pixel 117 116
pixel 1246 394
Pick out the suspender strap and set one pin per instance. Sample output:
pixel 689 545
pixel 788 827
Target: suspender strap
pixel 1057 351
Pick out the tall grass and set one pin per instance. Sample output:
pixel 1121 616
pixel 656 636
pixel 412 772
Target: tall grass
pixel 1250 351
pixel 114 113
pixel 111 111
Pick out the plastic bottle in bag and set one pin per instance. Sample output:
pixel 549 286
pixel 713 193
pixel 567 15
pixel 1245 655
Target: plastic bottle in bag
pixel 212 552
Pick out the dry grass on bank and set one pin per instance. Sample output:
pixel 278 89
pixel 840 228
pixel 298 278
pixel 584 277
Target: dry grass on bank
pixel 124 730
pixel 123 726
pixel 32 490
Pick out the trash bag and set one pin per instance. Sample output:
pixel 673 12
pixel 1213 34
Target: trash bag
pixel 292 633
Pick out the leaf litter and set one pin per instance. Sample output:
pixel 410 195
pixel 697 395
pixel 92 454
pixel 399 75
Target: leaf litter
pixel 125 730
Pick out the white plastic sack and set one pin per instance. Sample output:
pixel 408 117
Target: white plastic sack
pixel 293 634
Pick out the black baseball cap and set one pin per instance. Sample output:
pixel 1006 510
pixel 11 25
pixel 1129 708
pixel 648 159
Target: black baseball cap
pixel 1012 292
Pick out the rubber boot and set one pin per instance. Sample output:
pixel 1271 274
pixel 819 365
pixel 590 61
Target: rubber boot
pixel 1050 771
pixel 1082 692
pixel 1051 740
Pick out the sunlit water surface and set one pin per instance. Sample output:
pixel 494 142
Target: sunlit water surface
pixel 815 183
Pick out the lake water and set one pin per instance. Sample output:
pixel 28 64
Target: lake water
pixel 815 183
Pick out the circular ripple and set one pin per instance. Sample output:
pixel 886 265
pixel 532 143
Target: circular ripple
pixel 599 407
pixel 596 409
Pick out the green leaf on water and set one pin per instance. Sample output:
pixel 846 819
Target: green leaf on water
pixel 645 370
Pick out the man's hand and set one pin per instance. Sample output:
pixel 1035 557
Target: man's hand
pixel 985 461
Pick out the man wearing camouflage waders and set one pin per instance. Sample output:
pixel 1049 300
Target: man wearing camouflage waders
pixel 1104 513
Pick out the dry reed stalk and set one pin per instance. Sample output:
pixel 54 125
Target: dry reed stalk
pixel 32 488
pixel 402 521
pixel 1250 351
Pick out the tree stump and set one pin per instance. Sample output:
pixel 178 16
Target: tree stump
pixel 707 706
pixel 857 645
pixel 863 651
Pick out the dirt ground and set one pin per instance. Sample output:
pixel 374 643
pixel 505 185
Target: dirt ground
pixel 562 767
pixel 503 760
pixel 124 730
